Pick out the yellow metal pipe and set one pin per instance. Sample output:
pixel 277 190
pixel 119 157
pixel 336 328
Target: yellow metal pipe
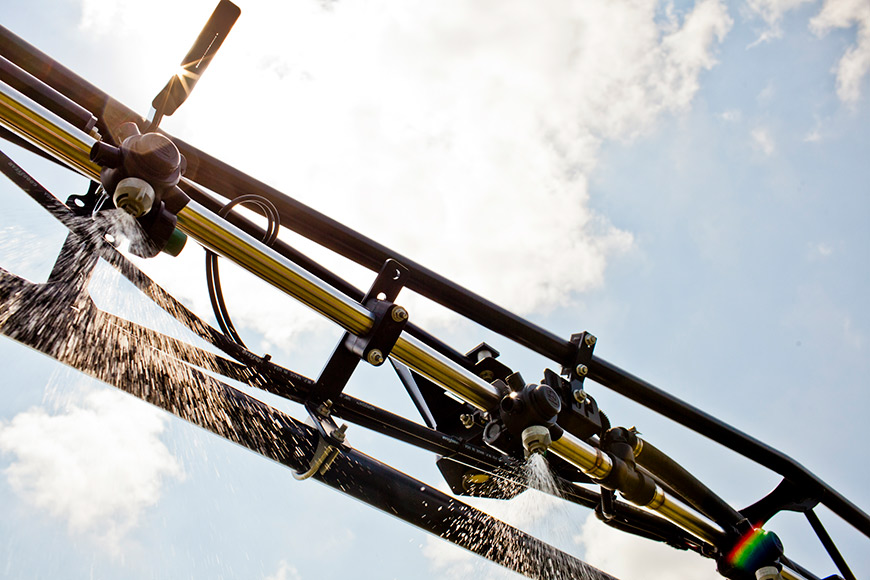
pixel 36 124
pixel 597 465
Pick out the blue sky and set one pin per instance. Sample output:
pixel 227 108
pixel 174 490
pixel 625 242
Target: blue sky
pixel 687 181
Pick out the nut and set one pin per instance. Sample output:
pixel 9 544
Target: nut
pixel 582 370
pixel 591 340
pixel 399 314
pixel 375 357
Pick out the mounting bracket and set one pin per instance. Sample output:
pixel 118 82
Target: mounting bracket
pixel 374 346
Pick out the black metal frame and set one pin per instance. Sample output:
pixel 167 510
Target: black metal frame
pixel 800 490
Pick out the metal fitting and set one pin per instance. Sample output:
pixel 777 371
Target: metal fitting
pixel 591 340
pixel 488 376
pixel 467 420
pixel 399 314
pixel 580 395
pixel 582 370
pixel 324 455
pixel 536 439
pixel 375 357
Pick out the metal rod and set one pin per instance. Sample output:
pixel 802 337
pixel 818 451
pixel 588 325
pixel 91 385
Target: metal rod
pixel 686 485
pixel 829 545
pixel 231 242
pixel 596 464
pixel 225 239
pixel 197 194
pixel 39 126
pixel 46 96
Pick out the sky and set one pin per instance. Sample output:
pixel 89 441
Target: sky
pixel 686 180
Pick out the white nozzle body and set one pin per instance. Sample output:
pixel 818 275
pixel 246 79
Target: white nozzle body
pixel 135 196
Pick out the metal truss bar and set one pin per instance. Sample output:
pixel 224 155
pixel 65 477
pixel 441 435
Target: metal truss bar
pixel 829 545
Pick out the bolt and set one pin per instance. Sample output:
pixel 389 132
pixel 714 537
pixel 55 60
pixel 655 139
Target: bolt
pixel 591 340
pixel 375 357
pixel 324 409
pixel 580 396
pixel 488 376
pixel 467 420
pixel 339 434
pixel 399 314
pixel 582 370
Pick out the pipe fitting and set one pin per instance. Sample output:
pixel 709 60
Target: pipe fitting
pixel 768 573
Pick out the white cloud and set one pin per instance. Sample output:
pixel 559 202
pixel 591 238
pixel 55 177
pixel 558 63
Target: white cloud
pixel 731 115
pixel 813 136
pixel 97 464
pixel 763 140
pixel 767 93
pixel 461 134
pixel 855 64
pixel 772 12
pixel 820 251
pixel 285 571
pixel 606 548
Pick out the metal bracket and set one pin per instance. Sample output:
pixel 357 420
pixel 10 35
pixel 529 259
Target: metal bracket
pixel 483 357
pixel 577 371
pixel 374 346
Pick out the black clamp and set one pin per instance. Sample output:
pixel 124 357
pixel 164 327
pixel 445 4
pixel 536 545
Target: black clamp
pixel 375 346
pixel 483 357
pixel 580 414
pixel 330 440
pixel 634 485
pixel 577 371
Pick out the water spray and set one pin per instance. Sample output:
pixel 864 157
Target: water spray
pixel 536 439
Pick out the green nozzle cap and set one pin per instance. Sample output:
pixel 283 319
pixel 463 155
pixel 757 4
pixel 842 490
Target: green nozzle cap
pixel 176 243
